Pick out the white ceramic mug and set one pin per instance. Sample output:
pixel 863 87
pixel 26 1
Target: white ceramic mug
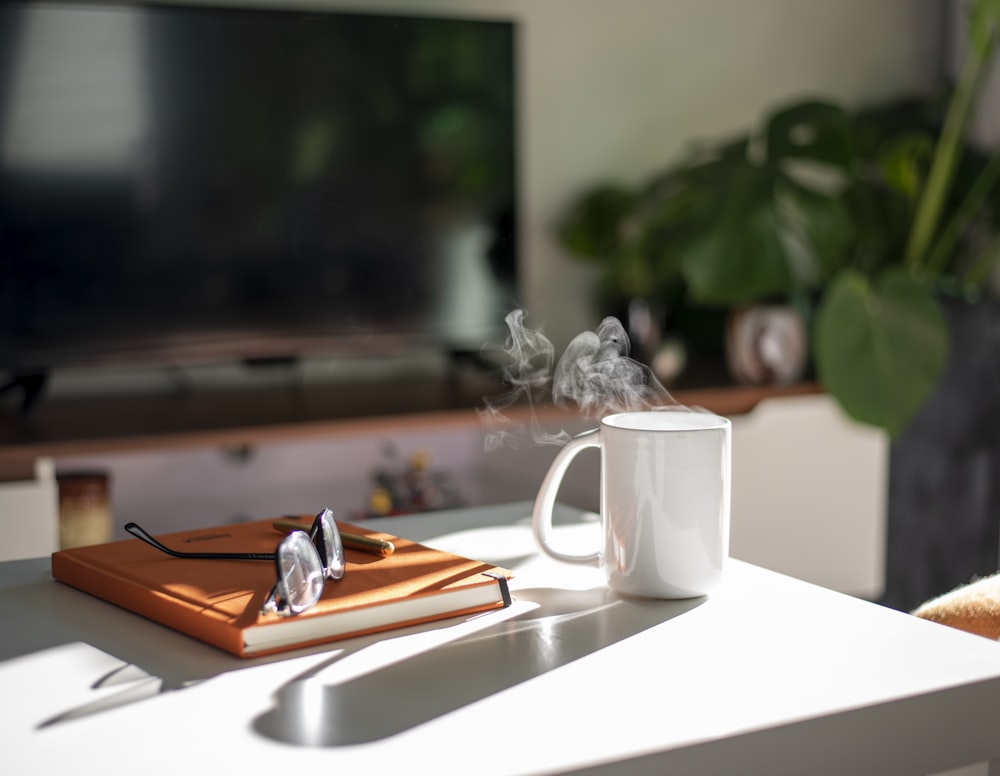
pixel 665 492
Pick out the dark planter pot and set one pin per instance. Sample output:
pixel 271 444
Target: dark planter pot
pixel 944 471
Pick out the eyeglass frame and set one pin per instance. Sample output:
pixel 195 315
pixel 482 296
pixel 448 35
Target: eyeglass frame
pixel 278 600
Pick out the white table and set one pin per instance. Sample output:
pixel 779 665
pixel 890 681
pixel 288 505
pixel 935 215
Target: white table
pixel 769 675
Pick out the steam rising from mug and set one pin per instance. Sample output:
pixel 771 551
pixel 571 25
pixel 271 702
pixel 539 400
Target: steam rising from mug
pixel 594 374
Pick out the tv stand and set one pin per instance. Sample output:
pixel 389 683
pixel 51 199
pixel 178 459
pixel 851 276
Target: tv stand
pixel 93 425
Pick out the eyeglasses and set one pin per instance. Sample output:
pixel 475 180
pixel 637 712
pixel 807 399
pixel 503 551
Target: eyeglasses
pixel 303 562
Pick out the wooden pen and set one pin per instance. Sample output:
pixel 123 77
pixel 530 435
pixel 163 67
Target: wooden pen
pixel 355 541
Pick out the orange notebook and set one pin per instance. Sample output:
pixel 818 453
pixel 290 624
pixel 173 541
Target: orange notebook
pixel 219 601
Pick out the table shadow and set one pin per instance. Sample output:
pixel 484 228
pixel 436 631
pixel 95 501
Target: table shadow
pixel 565 626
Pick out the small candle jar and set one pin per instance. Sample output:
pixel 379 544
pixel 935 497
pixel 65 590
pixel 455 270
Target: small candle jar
pixel 84 509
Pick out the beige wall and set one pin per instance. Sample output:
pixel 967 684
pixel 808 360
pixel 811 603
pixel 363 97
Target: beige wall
pixel 614 88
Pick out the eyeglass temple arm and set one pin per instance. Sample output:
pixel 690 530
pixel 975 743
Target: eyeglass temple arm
pixel 139 532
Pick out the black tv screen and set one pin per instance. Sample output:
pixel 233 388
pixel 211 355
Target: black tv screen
pixel 185 183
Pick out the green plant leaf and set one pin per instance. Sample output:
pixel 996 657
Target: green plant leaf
pixel 737 263
pixel 632 273
pixel 823 228
pixel 904 160
pixel 738 255
pixel 593 227
pixel 816 130
pixel 880 346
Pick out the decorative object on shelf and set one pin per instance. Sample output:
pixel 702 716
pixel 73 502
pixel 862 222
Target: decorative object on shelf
pixel 84 508
pixel 666 355
pixel 405 486
pixel 868 217
pixel 670 360
pixel 767 345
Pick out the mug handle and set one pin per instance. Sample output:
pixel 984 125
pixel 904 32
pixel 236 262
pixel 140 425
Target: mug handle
pixel 541 515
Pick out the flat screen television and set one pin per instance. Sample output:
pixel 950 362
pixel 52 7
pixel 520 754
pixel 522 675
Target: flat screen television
pixel 182 183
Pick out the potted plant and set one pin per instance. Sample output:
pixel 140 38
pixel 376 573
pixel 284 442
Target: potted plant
pixel 867 219
pixel 735 227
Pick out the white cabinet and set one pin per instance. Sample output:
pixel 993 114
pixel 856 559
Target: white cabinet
pixel 810 493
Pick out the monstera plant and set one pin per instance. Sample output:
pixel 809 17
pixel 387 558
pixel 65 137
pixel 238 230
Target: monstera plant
pixel 867 217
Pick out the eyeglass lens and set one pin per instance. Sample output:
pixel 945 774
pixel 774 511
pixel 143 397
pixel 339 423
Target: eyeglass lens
pixel 300 569
pixel 329 543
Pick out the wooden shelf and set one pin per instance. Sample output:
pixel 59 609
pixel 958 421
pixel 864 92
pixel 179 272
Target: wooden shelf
pixel 84 426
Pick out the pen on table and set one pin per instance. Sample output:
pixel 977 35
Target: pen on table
pixel 354 541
